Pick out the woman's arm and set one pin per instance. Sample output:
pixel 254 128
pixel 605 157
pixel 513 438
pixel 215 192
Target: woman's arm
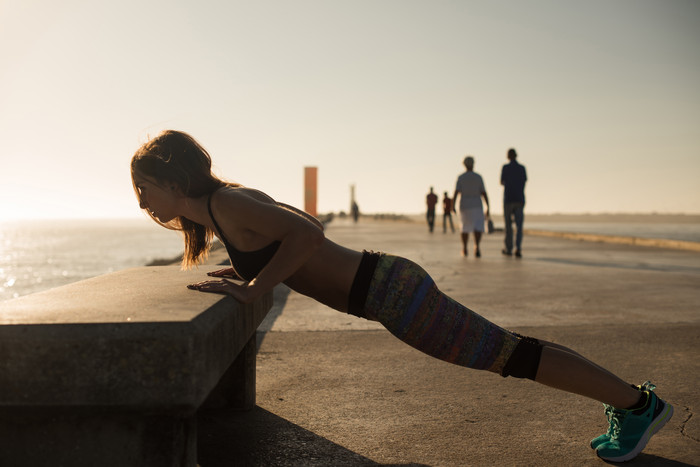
pixel 454 201
pixel 299 238
pixel 486 199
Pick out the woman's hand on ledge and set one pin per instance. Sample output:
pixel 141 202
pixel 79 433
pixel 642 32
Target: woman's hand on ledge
pixel 244 293
pixel 226 272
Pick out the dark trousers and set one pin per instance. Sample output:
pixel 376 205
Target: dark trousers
pixel 431 218
pixel 446 216
pixel 513 212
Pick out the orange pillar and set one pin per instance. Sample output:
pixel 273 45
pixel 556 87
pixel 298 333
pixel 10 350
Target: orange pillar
pixel 310 189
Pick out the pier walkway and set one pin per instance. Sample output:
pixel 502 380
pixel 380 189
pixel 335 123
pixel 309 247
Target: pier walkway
pixel 333 389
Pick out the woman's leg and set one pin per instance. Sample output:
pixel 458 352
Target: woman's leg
pixel 465 241
pixel 405 299
pixel 466 229
pixel 564 369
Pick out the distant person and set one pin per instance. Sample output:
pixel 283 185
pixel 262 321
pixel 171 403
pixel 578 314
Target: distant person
pixel 513 178
pixel 269 242
pixel 447 213
pixel 431 200
pixel 470 186
pixel 355 211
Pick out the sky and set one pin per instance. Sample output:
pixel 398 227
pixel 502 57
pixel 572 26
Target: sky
pixel 600 99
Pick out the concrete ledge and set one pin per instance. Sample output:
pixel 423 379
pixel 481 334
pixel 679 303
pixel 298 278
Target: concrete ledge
pixel 125 352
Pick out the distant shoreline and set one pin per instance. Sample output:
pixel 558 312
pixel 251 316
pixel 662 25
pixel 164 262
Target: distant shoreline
pixel 584 217
pixel 679 218
pixel 618 218
pixel 619 239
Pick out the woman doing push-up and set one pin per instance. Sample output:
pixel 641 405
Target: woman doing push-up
pixel 270 243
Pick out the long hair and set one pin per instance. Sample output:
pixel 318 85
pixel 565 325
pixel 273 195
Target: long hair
pixel 175 158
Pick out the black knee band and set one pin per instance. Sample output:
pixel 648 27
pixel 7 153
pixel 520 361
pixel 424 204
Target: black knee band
pixel 361 283
pixel 525 359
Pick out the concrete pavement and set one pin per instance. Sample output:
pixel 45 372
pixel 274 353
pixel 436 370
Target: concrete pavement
pixel 333 389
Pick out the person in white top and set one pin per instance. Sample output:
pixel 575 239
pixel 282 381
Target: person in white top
pixel 471 186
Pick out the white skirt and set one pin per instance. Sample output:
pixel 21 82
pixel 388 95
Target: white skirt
pixel 472 220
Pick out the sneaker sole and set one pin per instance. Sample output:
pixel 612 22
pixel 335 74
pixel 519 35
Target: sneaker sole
pixel 654 428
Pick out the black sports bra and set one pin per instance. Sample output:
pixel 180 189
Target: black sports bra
pixel 247 264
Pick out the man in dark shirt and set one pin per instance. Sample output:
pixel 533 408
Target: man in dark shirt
pixel 431 200
pixel 513 178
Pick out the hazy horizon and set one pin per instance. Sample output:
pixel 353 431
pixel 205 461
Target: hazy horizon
pixel 599 98
pixel 608 216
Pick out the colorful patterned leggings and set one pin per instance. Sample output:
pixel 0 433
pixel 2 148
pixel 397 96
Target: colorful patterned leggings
pixel 404 298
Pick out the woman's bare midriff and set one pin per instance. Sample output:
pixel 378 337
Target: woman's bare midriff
pixel 328 275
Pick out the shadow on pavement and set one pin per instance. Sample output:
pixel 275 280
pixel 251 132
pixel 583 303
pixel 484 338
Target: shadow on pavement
pixel 653 461
pixel 261 438
pixel 279 299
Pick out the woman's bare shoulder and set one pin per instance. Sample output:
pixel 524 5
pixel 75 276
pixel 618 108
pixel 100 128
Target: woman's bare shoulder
pixel 241 194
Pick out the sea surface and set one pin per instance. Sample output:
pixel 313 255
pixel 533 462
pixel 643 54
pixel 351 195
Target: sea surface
pixel 39 255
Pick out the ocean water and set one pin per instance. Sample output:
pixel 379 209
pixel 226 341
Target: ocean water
pixel 39 255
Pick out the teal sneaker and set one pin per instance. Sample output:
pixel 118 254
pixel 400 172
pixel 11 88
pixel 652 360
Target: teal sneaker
pixel 604 438
pixel 632 429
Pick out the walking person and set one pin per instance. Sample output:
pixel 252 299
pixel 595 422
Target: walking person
pixel 431 200
pixel 470 186
pixel 355 209
pixel 513 178
pixel 447 213
pixel 270 242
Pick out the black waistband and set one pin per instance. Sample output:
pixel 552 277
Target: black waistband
pixel 360 285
